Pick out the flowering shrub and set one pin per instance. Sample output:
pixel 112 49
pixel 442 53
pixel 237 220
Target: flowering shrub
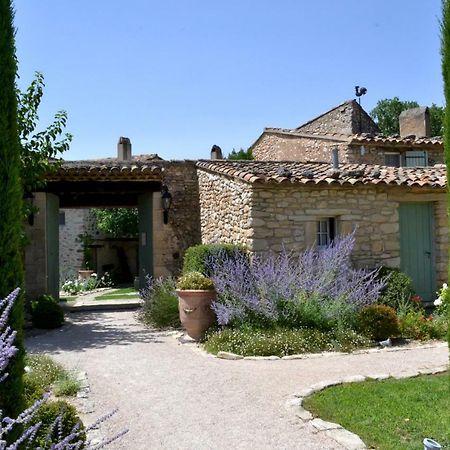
pixel 277 288
pixel 247 341
pixel 23 426
pixel 93 282
pixel 415 324
pixel 442 303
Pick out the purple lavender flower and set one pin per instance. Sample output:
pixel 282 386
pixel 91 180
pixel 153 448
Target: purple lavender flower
pixel 259 286
pixel 74 439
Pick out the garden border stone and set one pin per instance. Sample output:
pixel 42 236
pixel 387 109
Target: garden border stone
pixel 185 340
pixel 349 440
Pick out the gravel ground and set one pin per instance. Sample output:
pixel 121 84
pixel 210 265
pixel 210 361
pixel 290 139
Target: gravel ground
pixel 172 397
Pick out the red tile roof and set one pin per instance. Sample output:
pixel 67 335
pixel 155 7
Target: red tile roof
pixel 412 140
pixel 313 173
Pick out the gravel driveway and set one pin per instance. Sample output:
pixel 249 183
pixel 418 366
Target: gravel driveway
pixel 172 397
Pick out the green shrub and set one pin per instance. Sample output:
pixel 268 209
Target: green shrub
pixel 43 374
pixel 46 313
pixel 197 256
pixel 399 287
pixel 66 385
pixel 378 322
pixel 314 312
pixel 247 341
pixel 48 413
pixel 195 281
pixel 414 324
pixel 40 374
pixel 160 307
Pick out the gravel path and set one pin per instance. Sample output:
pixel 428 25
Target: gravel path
pixel 172 397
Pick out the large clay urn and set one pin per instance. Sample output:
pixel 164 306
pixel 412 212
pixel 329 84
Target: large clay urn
pixel 196 314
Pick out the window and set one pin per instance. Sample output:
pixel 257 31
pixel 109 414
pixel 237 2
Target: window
pixel 62 218
pixel 326 231
pixel 407 159
pixel 392 159
pixel 416 159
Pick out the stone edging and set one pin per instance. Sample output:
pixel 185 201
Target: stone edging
pixel 234 356
pixel 349 440
pixel 85 406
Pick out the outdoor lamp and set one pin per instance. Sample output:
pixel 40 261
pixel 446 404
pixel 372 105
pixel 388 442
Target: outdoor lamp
pixel 28 198
pixel 166 198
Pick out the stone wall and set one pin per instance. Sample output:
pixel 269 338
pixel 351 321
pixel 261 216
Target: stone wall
pixel 183 230
pixel 344 119
pixel 225 210
pixel 76 223
pixel 270 218
pixel 282 147
pixel 375 155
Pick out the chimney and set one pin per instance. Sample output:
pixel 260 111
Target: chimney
pixel 124 149
pixel 415 121
pixel 335 158
pixel 216 152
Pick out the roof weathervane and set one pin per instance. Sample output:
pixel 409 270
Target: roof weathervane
pixel 359 92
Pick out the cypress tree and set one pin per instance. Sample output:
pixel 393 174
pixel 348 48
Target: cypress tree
pixel 11 268
pixel 445 51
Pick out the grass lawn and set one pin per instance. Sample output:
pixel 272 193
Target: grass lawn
pixel 391 414
pixel 70 298
pixel 124 293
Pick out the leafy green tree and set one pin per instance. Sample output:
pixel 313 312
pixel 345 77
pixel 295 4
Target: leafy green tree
pixel 11 269
pixel 387 112
pixel 437 120
pixel 445 52
pixel 41 150
pixel 117 222
pixel 241 154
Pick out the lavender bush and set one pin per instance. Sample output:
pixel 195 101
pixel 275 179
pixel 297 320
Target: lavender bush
pixel 74 440
pixel 316 286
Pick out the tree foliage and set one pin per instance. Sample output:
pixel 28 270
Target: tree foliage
pixel 117 222
pixel 241 154
pixel 445 51
pixel 11 269
pixel 387 112
pixel 41 150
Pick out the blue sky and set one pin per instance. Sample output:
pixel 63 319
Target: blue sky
pixel 177 76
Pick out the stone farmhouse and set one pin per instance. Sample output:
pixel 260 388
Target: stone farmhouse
pixel 335 174
pixel 350 129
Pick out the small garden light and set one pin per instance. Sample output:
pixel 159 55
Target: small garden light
pixel 166 198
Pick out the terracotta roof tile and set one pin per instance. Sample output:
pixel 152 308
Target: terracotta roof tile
pixel 322 173
pixel 412 140
pixel 107 169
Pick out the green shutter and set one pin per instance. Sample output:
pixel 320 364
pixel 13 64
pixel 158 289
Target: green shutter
pixel 416 247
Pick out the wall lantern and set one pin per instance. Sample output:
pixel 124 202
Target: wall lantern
pixel 166 198
pixel 28 198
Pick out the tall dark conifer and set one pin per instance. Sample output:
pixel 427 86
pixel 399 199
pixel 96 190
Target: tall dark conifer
pixel 445 50
pixel 11 270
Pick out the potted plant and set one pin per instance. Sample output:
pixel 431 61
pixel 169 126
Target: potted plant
pixel 85 272
pixel 195 296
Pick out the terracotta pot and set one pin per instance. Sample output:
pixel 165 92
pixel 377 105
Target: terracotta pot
pixel 85 274
pixel 195 310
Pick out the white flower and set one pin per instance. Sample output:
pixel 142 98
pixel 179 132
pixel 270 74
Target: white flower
pixel 94 275
pixel 438 301
pixel 27 369
pixel 445 286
